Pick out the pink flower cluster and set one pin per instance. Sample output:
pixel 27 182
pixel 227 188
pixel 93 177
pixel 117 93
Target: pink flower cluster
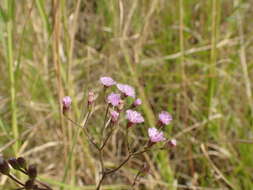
pixel 134 117
pixel 164 118
pixel 117 103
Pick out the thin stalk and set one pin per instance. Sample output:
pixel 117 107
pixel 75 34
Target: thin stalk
pixel 213 59
pixel 70 157
pixel 104 174
pixel 127 140
pixel 16 180
pixel 14 124
pixel 135 178
pixel 181 39
pixel 70 88
pixel 184 106
pixel 243 57
pixel 182 61
pixel 41 7
pixel 104 123
pixel 85 131
pixel 107 138
pixel 75 142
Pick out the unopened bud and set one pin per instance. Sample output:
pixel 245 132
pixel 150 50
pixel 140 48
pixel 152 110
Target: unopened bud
pixel 4 167
pixel 137 102
pixel 32 171
pixel 172 143
pixel 91 97
pixel 114 116
pixel 66 102
pixel 14 163
pixel 21 162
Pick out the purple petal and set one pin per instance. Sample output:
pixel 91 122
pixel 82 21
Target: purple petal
pixel 113 99
pixel 107 81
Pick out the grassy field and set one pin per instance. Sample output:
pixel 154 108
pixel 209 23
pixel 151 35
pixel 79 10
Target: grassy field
pixel 192 58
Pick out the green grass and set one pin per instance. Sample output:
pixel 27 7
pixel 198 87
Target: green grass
pixel 192 58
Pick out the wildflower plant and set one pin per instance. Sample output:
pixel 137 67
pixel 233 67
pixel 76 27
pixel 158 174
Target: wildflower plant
pixel 118 114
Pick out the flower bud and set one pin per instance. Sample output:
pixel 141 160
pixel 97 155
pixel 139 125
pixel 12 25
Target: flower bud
pixel 21 162
pixel 14 163
pixel 4 166
pixel 91 97
pixel 114 116
pixel 172 143
pixel 66 102
pixel 32 171
pixel 137 102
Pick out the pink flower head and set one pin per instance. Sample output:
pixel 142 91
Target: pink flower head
pixel 137 102
pixel 113 99
pixel 66 102
pixel 165 118
pixel 155 135
pixel 107 81
pixel 114 116
pixel 134 117
pixel 126 90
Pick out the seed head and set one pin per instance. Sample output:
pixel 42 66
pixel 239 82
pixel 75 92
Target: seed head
pixel 14 163
pixel 21 162
pixel 4 166
pixel 32 171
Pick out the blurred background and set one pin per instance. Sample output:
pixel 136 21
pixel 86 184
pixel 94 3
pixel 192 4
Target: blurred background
pixel 192 58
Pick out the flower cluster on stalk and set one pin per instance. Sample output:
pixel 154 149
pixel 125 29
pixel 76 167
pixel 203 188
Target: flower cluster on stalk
pixel 117 103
